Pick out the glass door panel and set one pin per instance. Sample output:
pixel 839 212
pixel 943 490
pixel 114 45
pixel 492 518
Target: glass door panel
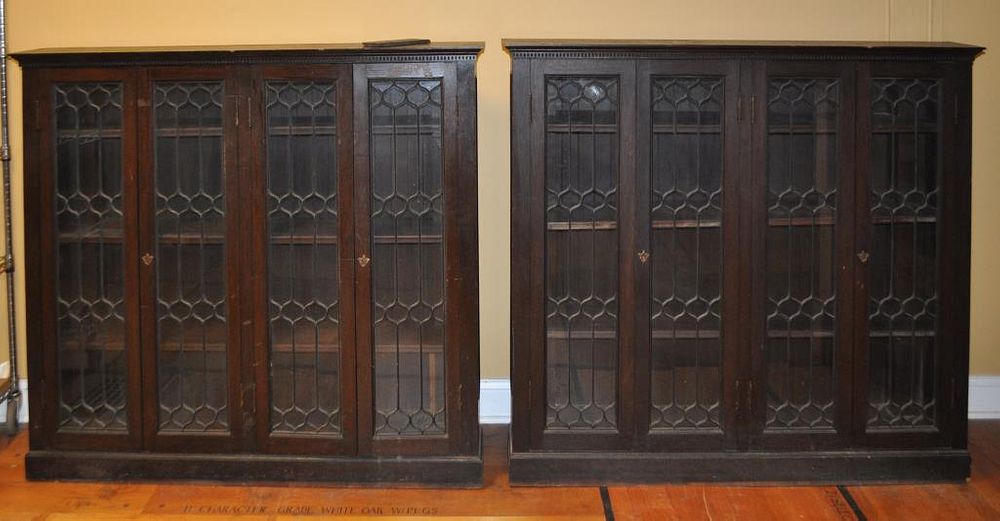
pixel 190 213
pixel 685 252
pixel 92 339
pixel 408 256
pixel 303 258
pixel 582 140
pixel 800 352
pixel 906 161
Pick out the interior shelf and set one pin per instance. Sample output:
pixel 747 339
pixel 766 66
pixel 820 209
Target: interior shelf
pixel 187 132
pixel 301 130
pixel 656 334
pixel 88 133
pixel 831 220
pixel 612 225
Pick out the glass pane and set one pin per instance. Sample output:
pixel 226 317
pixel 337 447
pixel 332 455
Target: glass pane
pixel 686 253
pixel 303 277
pixel 408 280
pixel 190 256
pixel 90 340
pixel 801 273
pixel 581 251
pixel 902 285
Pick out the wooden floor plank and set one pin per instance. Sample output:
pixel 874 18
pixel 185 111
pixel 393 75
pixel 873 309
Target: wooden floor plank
pixel 715 502
pixel 977 499
pixel 21 500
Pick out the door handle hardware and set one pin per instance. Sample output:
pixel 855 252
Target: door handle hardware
pixel 863 256
pixel 363 260
pixel 643 256
pixel 147 259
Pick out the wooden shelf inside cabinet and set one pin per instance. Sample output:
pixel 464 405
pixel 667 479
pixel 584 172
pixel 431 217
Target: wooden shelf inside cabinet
pixel 917 333
pixel 800 333
pixel 656 334
pixel 612 128
pixel 301 130
pixel 88 133
pixel 406 130
pixel 830 221
pixel 91 236
pixel 905 129
pixel 407 239
pixel 777 129
pixel 556 226
pixel 187 132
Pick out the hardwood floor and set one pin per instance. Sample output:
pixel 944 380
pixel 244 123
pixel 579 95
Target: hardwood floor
pixel 978 499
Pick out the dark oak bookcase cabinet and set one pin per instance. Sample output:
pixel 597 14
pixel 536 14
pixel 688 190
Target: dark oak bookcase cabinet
pixel 253 264
pixel 739 261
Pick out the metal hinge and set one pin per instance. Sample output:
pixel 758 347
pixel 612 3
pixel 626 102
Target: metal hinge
pixel 249 115
pixel 7 263
pixel 739 115
pixel 753 108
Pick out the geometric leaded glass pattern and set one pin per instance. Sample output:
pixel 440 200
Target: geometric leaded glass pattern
pixel 582 136
pixel 685 260
pixel 90 340
pixel 801 273
pixel 902 277
pixel 189 258
pixel 303 277
pixel 407 258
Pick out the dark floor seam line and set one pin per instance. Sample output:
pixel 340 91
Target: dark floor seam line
pixel 846 494
pixel 609 513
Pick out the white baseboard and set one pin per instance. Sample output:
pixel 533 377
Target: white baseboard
pixel 22 412
pixel 494 399
pixel 984 397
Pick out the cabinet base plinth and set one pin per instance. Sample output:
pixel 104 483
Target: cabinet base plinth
pixel 841 467
pixel 418 471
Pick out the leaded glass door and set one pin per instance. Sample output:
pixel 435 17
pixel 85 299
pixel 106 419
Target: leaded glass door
pixel 304 326
pixel 86 123
pixel 409 340
pixel 188 261
pixel 905 152
pixel 582 253
pixel 687 265
pixel 800 389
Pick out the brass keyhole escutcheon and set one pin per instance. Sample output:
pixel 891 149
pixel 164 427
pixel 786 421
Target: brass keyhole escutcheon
pixel 863 256
pixel 363 260
pixel 643 256
pixel 147 259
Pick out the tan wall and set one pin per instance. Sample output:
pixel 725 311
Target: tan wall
pixel 59 23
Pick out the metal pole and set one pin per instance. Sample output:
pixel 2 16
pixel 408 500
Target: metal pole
pixel 8 259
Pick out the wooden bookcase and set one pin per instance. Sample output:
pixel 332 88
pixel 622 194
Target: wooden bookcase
pixel 739 261
pixel 253 264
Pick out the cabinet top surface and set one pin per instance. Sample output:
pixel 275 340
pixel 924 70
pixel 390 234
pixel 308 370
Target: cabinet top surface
pixel 240 53
pixel 745 46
